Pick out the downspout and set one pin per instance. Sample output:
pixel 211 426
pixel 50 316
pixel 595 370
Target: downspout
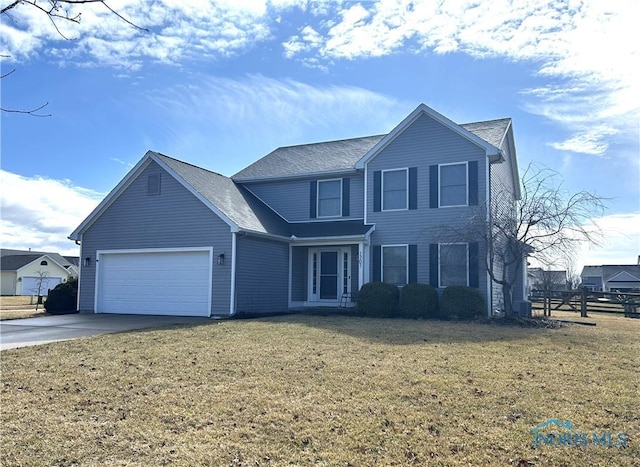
pixel 232 298
pixel 78 242
pixel 488 224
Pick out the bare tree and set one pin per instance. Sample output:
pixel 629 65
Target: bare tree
pixel 545 223
pixel 58 11
pixel 41 284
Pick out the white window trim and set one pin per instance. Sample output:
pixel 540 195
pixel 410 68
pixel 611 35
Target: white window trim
pixel 440 261
pixel 406 208
pixel 466 182
pixel 406 247
pixel 318 182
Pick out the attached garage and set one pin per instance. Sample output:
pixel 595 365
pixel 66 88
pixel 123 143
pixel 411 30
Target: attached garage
pixel 32 285
pixel 155 282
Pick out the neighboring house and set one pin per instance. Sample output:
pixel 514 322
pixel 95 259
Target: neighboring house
pixel 612 278
pixel 33 272
pixel 541 279
pixel 303 226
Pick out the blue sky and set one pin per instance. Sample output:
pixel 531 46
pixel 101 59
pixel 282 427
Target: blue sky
pixel 220 84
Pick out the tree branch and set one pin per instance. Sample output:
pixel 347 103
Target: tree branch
pixel 32 112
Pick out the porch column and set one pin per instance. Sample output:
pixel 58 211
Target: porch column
pixel 360 265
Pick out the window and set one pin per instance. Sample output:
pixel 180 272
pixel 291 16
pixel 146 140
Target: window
pixel 453 184
pixel 43 263
pixel 394 189
pixel 394 264
pixel 330 198
pixel 454 268
pixel 153 184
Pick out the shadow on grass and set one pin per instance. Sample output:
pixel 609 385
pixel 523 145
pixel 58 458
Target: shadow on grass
pixel 393 331
pixel 398 331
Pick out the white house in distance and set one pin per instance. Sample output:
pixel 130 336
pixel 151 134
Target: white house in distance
pixel 612 277
pixel 26 272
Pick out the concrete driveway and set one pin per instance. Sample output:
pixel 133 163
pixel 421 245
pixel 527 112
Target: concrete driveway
pixel 16 333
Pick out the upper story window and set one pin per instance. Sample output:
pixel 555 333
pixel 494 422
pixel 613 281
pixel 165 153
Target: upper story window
pixel 153 184
pixel 453 264
pixel 395 264
pixel 453 184
pixel 394 189
pixel 330 198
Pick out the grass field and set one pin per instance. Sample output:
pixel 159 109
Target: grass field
pixel 19 307
pixel 323 390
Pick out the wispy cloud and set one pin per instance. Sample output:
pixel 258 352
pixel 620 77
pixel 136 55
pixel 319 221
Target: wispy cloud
pixel 587 50
pixel 277 112
pixel 178 31
pixel 40 213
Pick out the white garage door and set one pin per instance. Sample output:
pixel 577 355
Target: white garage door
pixel 32 285
pixel 155 282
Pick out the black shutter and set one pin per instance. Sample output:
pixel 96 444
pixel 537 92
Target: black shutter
pixel 346 182
pixel 377 187
pixel 433 186
pixel 473 183
pixel 313 199
pixel 474 261
pixel 413 263
pixel 433 265
pixel 377 263
pixel 413 188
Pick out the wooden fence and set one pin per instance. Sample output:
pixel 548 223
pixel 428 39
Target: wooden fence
pixel 583 301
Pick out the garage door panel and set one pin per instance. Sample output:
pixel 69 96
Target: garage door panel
pixel 31 284
pixel 160 283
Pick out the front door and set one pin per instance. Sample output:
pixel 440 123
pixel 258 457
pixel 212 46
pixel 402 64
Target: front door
pixel 329 274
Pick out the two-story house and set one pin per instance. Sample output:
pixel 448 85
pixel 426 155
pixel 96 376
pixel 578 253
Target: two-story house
pixel 303 226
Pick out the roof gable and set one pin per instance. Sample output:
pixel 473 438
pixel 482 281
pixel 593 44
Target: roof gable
pixel 623 276
pixel 421 110
pixel 54 258
pixel 331 157
pixel 13 260
pixel 233 204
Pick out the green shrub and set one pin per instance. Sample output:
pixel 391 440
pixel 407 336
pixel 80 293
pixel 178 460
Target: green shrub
pixel 378 300
pixel 418 301
pixel 63 298
pixel 462 302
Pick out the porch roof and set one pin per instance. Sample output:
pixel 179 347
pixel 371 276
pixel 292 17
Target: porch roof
pixel 352 228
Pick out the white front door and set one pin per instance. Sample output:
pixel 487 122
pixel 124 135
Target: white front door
pixel 329 274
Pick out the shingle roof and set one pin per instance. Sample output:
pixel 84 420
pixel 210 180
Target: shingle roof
pixel 247 211
pixel 342 155
pixel 329 229
pixel 330 156
pixel 492 131
pixel 12 260
pixel 608 271
pixel 235 202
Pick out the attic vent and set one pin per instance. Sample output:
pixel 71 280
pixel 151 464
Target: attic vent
pixel 153 184
pixel 43 263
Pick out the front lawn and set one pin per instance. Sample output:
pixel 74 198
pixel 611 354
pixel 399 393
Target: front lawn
pixel 15 307
pixel 323 390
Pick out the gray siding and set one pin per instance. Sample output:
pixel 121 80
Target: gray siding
pixel 299 268
pixel 262 275
pixel 173 219
pixel 291 198
pixel 426 142
pixel 503 203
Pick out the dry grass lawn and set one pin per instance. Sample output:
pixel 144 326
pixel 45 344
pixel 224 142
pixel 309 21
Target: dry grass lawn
pixel 323 390
pixel 19 307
